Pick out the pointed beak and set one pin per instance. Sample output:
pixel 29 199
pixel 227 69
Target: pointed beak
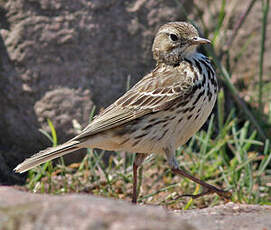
pixel 198 41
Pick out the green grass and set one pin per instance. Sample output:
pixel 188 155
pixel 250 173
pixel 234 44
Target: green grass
pixel 233 153
pixel 245 173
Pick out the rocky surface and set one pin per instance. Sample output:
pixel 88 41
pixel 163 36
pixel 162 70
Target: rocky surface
pixel 22 210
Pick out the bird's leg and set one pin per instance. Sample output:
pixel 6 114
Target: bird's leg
pixel 207 188
pixel 139 158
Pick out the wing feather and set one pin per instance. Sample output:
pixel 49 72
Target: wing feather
pixel 114 118
pixel 156 91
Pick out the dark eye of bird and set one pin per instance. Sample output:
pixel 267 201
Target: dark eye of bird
pixel 173 37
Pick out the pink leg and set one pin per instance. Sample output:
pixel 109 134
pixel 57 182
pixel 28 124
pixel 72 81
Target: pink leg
pixel 137 162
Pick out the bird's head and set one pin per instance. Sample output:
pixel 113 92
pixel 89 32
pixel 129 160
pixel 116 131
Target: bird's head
pixel 174 41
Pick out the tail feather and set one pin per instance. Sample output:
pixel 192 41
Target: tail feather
pixel 46 155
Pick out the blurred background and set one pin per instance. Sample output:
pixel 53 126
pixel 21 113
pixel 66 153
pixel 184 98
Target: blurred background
pixel 60 58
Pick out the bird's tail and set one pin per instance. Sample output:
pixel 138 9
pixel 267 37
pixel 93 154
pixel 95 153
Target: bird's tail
pixel 46 155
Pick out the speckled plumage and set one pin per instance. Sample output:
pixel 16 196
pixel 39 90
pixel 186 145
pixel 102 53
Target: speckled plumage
pixel 161 112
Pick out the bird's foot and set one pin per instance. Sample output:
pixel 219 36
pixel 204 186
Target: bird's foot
pixel 222 193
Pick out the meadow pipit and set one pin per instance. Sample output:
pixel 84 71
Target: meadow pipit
pixel 157 115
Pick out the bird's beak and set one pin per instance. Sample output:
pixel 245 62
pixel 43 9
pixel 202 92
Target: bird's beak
pixel 198 41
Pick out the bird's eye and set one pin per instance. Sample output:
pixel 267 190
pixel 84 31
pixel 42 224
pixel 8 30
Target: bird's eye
pixel 173 37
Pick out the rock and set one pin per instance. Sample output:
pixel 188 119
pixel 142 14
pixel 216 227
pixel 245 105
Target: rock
pixel 62 106
pixel 54 50
pixel 230 216
pixel 23 210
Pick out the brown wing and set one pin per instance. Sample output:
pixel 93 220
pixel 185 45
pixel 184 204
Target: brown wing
pixel 156 91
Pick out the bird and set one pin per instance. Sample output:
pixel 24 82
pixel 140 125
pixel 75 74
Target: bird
pixel 159 113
